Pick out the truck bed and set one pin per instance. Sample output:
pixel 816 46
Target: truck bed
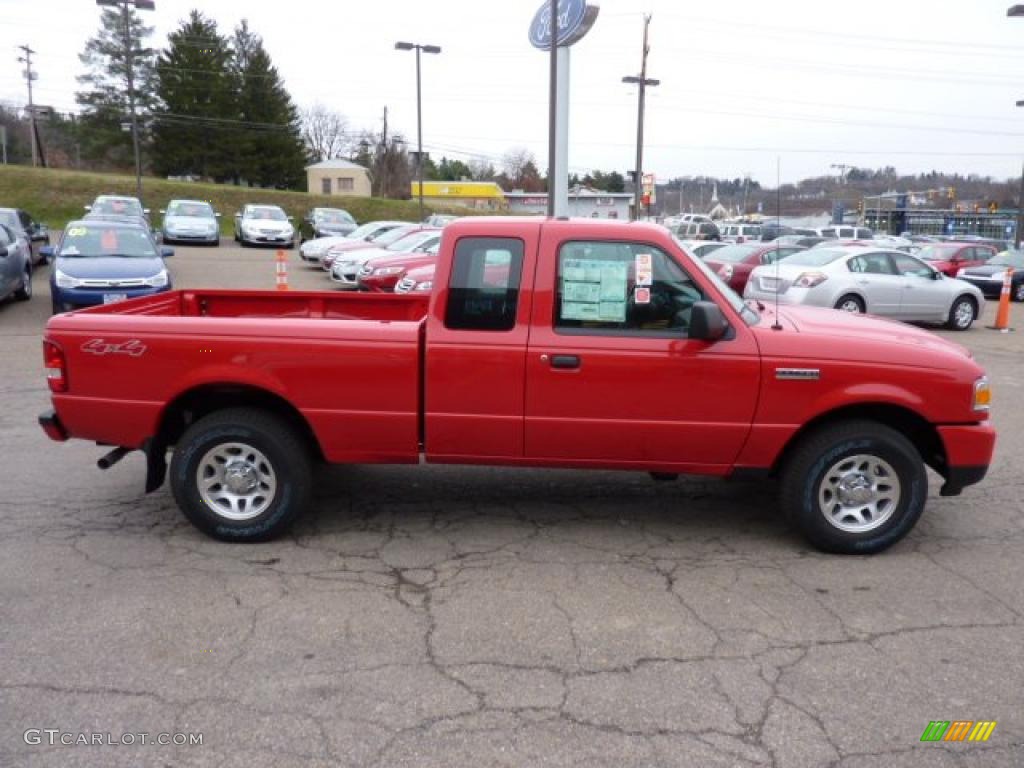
pixel 348 363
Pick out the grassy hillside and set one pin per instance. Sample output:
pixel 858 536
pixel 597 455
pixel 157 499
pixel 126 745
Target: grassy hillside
pixel 57 196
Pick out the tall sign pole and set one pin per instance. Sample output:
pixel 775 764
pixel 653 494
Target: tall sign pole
pixel 554 29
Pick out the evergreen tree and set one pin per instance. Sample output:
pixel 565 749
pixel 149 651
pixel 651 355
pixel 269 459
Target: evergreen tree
pixel 270 152
pixel 118 67
pixel 196 91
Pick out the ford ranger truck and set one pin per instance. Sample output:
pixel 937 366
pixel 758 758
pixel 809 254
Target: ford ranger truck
pixel 545 343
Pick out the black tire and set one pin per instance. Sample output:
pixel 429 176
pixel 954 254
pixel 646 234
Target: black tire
pixel 806 491
pixel 25 292
pixel 283 451
pixel 850 300
pixel 957 314
pixel 1017 292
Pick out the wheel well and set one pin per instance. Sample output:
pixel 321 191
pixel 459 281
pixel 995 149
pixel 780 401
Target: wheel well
pixel 854 295
pixel 194 404
pixel 911 425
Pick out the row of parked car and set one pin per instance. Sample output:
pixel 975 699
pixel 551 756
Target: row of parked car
pixel 943 282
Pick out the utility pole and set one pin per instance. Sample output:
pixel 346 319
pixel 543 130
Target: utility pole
pixel 643 82
pixel 29 77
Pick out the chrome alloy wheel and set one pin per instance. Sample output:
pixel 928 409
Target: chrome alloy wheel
pixel 851 305
pixel 236 481
pixel 859 493
pixel 963 316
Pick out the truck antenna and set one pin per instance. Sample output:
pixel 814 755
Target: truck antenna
pixel 777 326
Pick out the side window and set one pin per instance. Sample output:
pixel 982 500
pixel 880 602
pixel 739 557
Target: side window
pixel 5 238
pixel 772 256
pixel 865 234
pixel 908 266
pixel 609 288
pixel 483 292
pixel 871 264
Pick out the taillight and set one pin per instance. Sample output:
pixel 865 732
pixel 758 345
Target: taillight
pixel 809 280
pixel 56 367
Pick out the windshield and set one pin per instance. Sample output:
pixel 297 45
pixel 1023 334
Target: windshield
pixel 117 206
pixel 937 252
pixel 1013 259
pixel 332 216
pixel 385 239
pixel 816 257
pixel 267 213
pixel 750 317
pixel 364 231
pixel 197 210
pixel 85 240
pixel 409 242
pixel 734 253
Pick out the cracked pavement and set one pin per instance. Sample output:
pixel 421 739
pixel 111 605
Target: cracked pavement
pixel 449 616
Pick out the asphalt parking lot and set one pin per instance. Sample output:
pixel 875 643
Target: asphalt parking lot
pixel 449 616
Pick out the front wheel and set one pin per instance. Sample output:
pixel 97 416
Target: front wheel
pixel 241 475
pixel 962 314
pixel 854 487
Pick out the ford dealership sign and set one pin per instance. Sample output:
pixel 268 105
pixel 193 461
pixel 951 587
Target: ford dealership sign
pixel 575 18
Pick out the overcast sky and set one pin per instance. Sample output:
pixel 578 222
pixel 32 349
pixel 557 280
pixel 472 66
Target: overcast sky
pixel 916 84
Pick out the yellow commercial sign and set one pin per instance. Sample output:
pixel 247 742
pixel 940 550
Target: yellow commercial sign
pixel 459 190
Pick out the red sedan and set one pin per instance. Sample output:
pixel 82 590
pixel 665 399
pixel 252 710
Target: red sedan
pixel 949 258
pixel 734 263
pixel 381 275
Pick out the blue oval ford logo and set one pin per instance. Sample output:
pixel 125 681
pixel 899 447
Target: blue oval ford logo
pixel 575 18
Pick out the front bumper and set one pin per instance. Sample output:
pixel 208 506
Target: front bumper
pixel 191 237
pixel 67 299
pixel 969 450
pixel 52 426
pixel 267 239
pixel 990 288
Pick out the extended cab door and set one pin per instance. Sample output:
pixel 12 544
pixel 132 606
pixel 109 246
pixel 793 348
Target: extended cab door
pixel 476 344
pixel 611 377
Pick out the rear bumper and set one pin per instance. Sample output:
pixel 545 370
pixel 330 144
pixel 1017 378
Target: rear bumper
pixel 969 450
pixel 52 426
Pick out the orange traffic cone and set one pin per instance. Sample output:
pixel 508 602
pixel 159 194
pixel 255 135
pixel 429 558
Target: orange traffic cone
pixel 1003 315
pixel 282 271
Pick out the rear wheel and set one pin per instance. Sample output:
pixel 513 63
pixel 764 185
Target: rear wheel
pixel 25 292
pixel 241 475
pixel 851 303
pixel 962 314
pixel 854 487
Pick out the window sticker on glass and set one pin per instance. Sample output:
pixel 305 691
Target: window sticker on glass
pixel 594 290
pixel 644 269
pixel 77 231
pixel 643 296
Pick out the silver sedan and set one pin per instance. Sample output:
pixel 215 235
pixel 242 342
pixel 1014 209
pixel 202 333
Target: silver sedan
pixel 882 282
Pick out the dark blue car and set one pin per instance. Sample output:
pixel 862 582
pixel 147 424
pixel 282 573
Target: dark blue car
pixel 100 262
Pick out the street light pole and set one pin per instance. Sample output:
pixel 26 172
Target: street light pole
pixel 29 76
pixel 643 81
pixel 1018 10
pixel 419 110
pixel 129 47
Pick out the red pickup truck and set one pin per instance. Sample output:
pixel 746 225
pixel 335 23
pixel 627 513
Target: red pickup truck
pixel 545 343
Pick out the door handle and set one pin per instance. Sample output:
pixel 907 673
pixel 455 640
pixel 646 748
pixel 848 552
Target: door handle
pixel 565 362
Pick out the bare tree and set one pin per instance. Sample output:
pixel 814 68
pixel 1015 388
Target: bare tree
pixel 482 170
pixel 325 133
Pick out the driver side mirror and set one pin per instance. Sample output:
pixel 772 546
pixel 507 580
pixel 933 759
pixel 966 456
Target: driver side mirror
pixel 707 321
pixel 46 251
pixel 166 253
pixel 936 275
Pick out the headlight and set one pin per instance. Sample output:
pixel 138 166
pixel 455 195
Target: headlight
pixel 982 394
pixel 65 281
pixel 387 271
pixel 158 280
pixel 289 232
pixel 425 286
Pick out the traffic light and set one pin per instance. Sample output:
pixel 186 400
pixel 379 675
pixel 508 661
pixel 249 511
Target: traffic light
pixel 993 207
pixel 860 207
pixel 951 193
